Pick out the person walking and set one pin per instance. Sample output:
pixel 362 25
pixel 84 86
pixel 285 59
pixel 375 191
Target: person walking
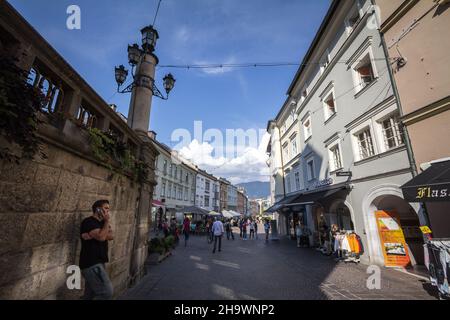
pixel 186 229
pixel 229 230
pixel 267 229
pixel 218 231
pixel 298 233
pixel 241 228
pixel 95 232
pixel 256 229
pixel 244 230
pixel 252 229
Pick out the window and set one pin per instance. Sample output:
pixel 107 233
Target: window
pixel 392 134
pixel 207 186
pixel 352 20
pixel 186 194
pixel 169 193
pixel 174 193
pixel 335 157
pixel 364 72
pixel 163 189
pixel 180 193
pixel 329 105
pixel 294 145
pixel 297 180
pixel 170 170
pixel 181 175
pixel 310 167
pixel 165 167
pixel 288 183
pixel 365 144
pixel 304 94
pixel 187 178
pixel 206 201
pixel 324 62
pixel 307 128
pixel 285 152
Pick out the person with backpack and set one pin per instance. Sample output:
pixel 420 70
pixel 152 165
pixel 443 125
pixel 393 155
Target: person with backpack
pixel 228 229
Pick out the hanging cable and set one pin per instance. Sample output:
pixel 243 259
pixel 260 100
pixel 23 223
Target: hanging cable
pixel 156 14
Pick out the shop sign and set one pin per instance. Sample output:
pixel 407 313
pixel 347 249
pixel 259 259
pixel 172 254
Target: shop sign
pixel 427 193
pixel 392 239
pixel 425 230
pixel 324 182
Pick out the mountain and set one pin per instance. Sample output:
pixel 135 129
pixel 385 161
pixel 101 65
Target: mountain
pixel 256 189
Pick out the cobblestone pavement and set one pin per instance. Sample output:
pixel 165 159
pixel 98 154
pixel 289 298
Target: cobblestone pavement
pixel 256 269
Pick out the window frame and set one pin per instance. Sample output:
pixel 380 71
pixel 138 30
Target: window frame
pixel 355 9
pixel 326 111
pixel 357 80
pixel 335 144
pixel 310 175
pixel 306 119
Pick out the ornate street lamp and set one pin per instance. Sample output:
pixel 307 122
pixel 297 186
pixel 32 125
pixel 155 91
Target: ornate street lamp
pixel 140 79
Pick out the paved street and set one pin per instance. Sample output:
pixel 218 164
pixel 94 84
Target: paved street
pixel 254 269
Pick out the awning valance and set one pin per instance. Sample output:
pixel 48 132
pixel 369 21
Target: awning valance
pixel 433 184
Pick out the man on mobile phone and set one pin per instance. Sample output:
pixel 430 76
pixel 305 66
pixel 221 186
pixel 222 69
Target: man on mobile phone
pixel 95 232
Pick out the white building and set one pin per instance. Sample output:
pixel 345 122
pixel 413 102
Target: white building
pixel 176 186
pixel 207 191
pixel 337 151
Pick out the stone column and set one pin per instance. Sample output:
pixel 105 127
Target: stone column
pixel 141 97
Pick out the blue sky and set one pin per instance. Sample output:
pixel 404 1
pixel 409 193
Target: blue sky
pixel 191 32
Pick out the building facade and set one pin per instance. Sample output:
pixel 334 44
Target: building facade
pixel 342 151
pixel 223 189
pixel 207 194
pixel 421 73
pixel 176 186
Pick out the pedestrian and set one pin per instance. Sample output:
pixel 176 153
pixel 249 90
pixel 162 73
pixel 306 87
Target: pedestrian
pixel 229 230
pixel 256 229
pixel 218 233
pixel 298 233
pixel 186 229
pixel 267 229
pixel 304 239
pixel 95 232
pixel 252 229
pixel 244 230
pixel 165 227
pixel 241 228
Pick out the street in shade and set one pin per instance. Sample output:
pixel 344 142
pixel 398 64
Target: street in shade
pixel 272 270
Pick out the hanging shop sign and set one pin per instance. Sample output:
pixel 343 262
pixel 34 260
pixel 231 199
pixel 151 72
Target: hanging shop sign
pixel 324 182
pixel 392 239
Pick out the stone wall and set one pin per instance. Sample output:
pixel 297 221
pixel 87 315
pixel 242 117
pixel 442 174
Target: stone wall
pixel 42 203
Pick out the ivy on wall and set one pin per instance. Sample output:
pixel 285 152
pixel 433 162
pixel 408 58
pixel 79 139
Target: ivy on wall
pixel 20 104
pixel 108 149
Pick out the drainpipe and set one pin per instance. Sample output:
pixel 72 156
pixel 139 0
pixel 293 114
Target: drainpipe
pixel 409 150
pixel 282 162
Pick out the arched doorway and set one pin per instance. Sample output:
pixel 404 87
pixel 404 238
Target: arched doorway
pixel 389 199
pixel 341 214
pixel 409 222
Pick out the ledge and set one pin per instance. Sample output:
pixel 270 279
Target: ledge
pixel 381 155
pixel 360 92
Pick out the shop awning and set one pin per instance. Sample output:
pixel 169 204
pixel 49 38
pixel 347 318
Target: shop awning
pixel 157 203
pixel 314 196
pixel 433 184
pixel 194 210
pixel 278 205
pixel 305 198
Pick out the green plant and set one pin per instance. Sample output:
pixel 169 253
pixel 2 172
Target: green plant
pixel 106 147
pixel 20 104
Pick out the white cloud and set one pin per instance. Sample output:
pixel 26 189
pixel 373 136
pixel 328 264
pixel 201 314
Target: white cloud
pixel 249 165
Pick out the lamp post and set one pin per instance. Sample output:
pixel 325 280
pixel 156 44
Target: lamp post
pixel 143 62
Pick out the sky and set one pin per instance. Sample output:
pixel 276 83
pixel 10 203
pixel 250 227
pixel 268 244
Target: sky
pixel 193 32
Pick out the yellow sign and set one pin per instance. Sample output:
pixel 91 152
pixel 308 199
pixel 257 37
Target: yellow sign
pixel 425 230
pixel 392 240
